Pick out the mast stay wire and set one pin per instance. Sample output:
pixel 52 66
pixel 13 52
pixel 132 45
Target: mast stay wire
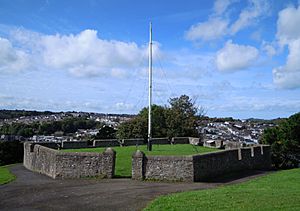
pixel 169 87
pixel 141 98
pixel 133 81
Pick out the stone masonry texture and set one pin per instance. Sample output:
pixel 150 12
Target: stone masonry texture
pixel 200 167
pixel 58 164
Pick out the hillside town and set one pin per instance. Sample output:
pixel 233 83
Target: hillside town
pixel 243 132
pixel 213 132
pixel 110 119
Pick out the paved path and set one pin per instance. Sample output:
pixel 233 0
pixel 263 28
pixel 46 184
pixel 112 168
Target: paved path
pixel 32 191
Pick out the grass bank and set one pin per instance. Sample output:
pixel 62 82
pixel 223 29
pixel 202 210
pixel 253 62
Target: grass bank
pixel 5 175
pixel 124 154
pixel 278 191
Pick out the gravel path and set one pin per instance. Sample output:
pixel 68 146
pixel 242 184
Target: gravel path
pixel 33 191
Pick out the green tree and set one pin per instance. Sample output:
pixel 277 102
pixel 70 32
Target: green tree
pixel 106 132
pixel 285 142
pixel 179 119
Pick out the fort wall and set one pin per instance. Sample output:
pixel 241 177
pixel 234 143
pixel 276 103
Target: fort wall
pixel 200 167
pixel 59 164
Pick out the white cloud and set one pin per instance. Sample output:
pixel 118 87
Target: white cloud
pixel 118 73
pixel 220 6
pixel 11 59
pixel 256 35
pixel 288 24
pixel 123 106
pixel 212 29
pixel 288 33
pixel 268 48
pixel 288 76
pixel 234 57
pixel 252 13
pixel 215 27
pixel 83 54
pixel 86 54
pixel 255 103
pixel 218 24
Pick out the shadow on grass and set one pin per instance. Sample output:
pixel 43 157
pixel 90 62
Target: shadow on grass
pixel 230 177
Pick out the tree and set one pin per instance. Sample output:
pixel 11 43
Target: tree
pixel 179 119
pixel 285 142
pixel 106 132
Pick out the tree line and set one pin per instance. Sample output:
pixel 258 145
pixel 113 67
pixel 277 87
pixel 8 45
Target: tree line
pixel 10 114
pixel 65 126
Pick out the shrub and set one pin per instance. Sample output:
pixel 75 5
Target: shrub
pixel 11 152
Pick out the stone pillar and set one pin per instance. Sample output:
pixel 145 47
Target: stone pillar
pixel 109 160
pixel 138 159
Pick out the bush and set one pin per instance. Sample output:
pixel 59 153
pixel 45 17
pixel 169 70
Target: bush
pixel 11 152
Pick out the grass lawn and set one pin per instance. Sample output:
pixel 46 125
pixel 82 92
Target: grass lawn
pixel 5 175
pixel 278 191
pixel 124 154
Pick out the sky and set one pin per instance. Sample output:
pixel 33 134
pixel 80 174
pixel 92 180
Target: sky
pixel 235 58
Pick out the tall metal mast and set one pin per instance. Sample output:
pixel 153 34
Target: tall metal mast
pixel 150 90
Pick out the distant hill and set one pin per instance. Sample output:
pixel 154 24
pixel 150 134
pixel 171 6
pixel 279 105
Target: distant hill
pixel 275 121
pixel 10 114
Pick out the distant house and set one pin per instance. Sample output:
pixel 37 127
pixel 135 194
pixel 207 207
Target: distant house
pixel 213 144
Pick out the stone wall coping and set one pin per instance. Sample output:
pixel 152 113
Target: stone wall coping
pixel 109 150
pixel 169 157
pixel 106 140
pixel 72 141
pixel 132 139
pixel 161 138
pixel 79 153
pixel 208 154
pixel 61 153
pixel 138 153
pixel 37 147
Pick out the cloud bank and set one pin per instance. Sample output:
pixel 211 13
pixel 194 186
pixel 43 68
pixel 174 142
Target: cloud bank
pixel 83 54
pixel 288 34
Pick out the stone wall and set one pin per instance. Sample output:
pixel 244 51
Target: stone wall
pixel 195 141
pixel 106 143
pixel 170 168
pixel 160 141
pixel 59 164
pixel 76 144
pixel 117 142
pixel 180 140
pixel 132 142
pixel 199 167
pixel 186 140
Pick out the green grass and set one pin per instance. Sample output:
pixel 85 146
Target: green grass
pixel 124 154
pixel 5 175
pixel 278 191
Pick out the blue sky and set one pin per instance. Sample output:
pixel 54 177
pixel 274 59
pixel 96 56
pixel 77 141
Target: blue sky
pixel 238 58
